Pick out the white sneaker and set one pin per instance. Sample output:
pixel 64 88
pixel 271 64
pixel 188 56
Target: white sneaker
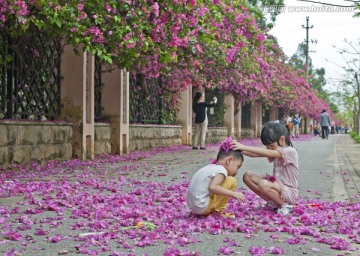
pixel 272 205
pixel 284 210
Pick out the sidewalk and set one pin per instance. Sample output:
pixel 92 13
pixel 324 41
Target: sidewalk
pixel 347 164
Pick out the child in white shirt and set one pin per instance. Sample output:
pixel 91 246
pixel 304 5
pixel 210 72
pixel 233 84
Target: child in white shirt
pixel 212 186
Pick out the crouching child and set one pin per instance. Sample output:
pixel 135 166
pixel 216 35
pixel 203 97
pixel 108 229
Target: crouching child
pixel 212 186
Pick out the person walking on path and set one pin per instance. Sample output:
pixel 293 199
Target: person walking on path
pixel 201 120
pixel 289 124
pixel 296 121
pixel 212 186
pixel 324 123
pixel 281 189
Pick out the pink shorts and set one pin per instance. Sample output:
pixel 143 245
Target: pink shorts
pixel 288 195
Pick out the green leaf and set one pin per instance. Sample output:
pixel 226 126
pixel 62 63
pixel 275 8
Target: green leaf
pixel 58 23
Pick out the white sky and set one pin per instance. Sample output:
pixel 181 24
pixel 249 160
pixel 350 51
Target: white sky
pixel 330 28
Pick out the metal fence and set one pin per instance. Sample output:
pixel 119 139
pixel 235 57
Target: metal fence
pixel 98 85
pixel 145 101
pixel 215 117
pixel 265 114
pixel 246 116
pixel 29 76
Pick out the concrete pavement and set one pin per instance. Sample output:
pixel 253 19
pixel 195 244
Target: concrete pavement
pixel 51 207
pixel 347 166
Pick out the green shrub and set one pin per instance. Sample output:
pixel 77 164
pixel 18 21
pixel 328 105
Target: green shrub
pixel 353 134
pixel 357 138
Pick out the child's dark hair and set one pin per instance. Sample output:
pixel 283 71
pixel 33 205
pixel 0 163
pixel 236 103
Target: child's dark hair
pixel 237 154
pixel 225 150
pixel 272 131
pixel 196 98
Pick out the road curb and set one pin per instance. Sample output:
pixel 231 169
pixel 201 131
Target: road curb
pixel 347 179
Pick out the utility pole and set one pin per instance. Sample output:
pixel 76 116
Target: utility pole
pixel 307 62
pixel 307 27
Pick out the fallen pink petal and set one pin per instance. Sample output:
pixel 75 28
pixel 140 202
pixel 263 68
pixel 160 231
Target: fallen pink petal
pixel 226 250
pixel 115 206
pixel 276 250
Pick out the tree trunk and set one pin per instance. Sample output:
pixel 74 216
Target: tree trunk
pixel 358 122
pixel 355 120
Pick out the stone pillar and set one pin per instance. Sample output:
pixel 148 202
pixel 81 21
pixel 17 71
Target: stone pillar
pixel 88 136
pixel 237 120
pixel 115 103
pixel 274 114
pixel 305 123
pixel 185 114
pixel 260 119
pixel 77 99
pixel 229 119
pixel 256 118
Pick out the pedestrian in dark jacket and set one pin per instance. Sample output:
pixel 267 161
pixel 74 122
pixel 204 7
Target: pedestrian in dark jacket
pixel 324 123
pixel 201 120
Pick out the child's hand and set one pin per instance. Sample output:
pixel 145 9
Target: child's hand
pixel 239 196
pixel 236 145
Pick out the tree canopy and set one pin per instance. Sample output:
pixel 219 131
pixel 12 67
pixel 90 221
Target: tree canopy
pixel 217 43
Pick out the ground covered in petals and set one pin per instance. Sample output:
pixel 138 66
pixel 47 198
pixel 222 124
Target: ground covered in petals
pixel 121 206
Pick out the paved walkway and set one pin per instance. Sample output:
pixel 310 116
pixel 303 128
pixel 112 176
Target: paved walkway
pixel 347 164
pixel 45 211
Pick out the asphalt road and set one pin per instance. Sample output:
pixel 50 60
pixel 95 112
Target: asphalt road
pixel 319 180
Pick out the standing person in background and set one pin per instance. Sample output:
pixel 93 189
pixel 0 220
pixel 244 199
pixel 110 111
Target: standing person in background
pixel 333 127
pixel 296 121
pixel 201 120
pixel 324 123
pixel 316 128
pixel 346 128
pixel 289 124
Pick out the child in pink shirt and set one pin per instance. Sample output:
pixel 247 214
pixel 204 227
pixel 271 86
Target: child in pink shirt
pixel 281 189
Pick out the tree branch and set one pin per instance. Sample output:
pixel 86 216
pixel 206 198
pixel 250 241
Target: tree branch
pixel 352 46
pixel 315 2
